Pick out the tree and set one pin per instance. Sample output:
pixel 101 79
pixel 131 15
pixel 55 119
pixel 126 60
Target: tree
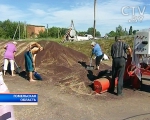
pixel 134 31
pixel 81 33
pixel 111 34
pixel 64 30
pixel 125 32
pixel 120 31
pixel 2 33
pixel 98 34
pixel 130 30
pixel 8 28
pixel 42 34
pixel 90 31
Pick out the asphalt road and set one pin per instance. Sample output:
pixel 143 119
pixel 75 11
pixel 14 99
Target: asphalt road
pixel 57 103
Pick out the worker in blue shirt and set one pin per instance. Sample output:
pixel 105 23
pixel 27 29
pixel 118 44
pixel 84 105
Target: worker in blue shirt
pixel 96 50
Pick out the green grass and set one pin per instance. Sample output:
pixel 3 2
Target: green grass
pixel 85 47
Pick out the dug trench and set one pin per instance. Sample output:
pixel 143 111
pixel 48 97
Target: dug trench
pixel 60 65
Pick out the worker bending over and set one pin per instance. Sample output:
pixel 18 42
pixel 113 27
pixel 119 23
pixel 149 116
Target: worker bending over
pixel 96 50
pixel 30 56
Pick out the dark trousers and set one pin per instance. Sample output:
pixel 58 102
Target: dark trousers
pixel 98 59
pixel 118 69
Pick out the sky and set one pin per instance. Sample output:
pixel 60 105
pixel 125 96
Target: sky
pixel 109 14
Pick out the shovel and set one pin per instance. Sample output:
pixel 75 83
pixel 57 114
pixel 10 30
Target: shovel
pixel 18 69
pixel 89 67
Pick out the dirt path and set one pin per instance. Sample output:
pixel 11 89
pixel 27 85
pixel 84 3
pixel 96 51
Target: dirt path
pixel 56 103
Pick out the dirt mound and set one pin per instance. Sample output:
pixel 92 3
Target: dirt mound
pixel 63 66
pixel 54 54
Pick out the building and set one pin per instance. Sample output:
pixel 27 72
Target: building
pixel 33 30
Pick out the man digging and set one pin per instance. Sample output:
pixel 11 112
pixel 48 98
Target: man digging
pixel 30 56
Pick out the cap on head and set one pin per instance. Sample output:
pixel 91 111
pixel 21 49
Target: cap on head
pixel 15 42
pixel 93 43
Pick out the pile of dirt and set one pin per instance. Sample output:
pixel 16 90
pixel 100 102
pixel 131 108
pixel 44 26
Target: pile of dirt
pixel 54 54
pixel 63 66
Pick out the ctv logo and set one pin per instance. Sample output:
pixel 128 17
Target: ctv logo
pixel 136 13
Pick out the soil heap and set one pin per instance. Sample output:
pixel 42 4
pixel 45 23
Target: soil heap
pixel 62 66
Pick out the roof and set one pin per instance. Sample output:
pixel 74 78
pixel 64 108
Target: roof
pixel 36 25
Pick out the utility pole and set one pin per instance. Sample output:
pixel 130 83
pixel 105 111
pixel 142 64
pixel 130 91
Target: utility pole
pixel 73 27
pixel 94 18
pixel 25 31
pixel 19 30
pixel 58 32
pixel 47 30
pixel 15 31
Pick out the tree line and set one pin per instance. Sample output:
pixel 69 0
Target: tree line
pixel 16 30
pixel 10 29
pixel 56 32
pixel 121 32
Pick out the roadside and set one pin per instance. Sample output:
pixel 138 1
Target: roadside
pixel 64 104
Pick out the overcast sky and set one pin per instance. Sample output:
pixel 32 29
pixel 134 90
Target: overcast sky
pixel 59 13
